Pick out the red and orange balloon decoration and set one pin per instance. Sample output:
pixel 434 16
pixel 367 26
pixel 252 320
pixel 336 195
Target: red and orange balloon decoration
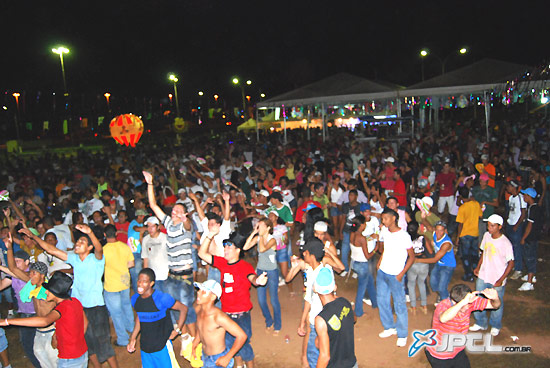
pixel 126 129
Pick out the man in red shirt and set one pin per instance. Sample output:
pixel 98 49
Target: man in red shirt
pixel 452 316
pixel 446 182
pixel 237 276
pixel 399 189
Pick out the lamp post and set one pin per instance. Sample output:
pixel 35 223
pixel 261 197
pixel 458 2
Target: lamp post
pixel 60 51
pixel 107 96
pixel 16 96
pixel 425 52
pixel 174 79
pixel 237 83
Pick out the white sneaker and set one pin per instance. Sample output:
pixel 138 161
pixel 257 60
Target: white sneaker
pixel 11 313
pixel 387 333
pixel 367 302
pixel 407 299
pixel 516 275
pixel 401 342
pixel 495 331
pixel 526 278
pixel 476 327
pixel 527 286
pixel 344 274
pixel 354 275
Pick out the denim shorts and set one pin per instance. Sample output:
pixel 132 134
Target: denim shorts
pixel 98 333
pixel 209 361
pixel 3 340
pixel 282 255
pixel 80 362
pixel 334 211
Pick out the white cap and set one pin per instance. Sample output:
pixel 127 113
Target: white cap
pixel 211 286
pixel 390 159
pixel 181 190
pixel 428 201
pixel 277 188
pixel 495 219
pixel 320 226
pixel 153 220
pixel 264 192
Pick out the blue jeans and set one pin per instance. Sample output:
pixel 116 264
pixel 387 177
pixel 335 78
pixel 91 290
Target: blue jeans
pixel 416 275
pixel 344 252
pixel 81 362
pixel 134 271
pixel 120 308
pixel 469 252
pixel 312 351
pixel 530 255
pixel 273 286
pixel 496 314
pixel 365 282
pixel 515 239
pixel 440 279
pixel 26 336
pixel 244 322
pixel 214 274
pixel 387 287
pixel 183 291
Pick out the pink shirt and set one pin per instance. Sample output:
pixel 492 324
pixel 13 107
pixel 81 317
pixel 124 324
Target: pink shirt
pixel 496 255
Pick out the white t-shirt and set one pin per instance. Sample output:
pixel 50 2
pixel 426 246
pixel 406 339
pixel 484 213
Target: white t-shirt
pixel 496 255
pixel 225 230
pixel 375 207
pixel 335 194
pixel 516 204
pixel 187 203
pixel 53 263
pixel 310 295
pixel 154 249
pixel 395 251
pixel 373 227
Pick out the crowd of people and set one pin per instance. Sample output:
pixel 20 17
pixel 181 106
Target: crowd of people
pixel 94 238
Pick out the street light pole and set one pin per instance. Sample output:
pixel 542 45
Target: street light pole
pixel 107 96
pixel 16 95
pixel 174 79
pixel 237 82
pixel 425 52
pixel 60 51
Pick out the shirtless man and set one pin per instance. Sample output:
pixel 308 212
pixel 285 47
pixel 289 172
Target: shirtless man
pixel 212 325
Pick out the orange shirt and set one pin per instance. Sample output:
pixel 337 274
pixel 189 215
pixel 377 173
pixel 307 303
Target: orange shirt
pixel 492 172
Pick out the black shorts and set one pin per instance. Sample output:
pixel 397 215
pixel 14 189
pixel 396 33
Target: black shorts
pixel 98 333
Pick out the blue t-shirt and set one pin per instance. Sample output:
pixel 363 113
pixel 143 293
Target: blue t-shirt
pixel 133 237
pixel 87 285
pixel 448 259
pixel 5 250
pixel 154 317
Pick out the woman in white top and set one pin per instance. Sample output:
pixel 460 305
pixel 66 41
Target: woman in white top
pixel 334 192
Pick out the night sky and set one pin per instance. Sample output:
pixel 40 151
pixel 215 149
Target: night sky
pixel 129 47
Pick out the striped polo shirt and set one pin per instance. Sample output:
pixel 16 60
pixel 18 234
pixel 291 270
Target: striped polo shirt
pixel 178 246
pixel 458 325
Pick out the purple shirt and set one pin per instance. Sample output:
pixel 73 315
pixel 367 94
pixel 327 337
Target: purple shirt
pixel 17 285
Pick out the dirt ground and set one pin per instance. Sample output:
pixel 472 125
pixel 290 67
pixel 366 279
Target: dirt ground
pixel 527 315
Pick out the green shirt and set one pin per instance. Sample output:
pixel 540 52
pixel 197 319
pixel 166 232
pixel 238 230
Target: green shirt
pixel 324 202
pixel 432 220
pixel 488 194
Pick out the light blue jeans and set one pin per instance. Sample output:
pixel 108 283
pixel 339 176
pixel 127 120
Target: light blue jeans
pixel 312 351
pixel 496 314
pixel 134 271
pixel 273 287
pixel 344 252
pixel 120 308
pixel 387 287
pixel 515 239
pixel 81 362
pixel 365 282
pixel 183 291
pixel 416 275
pixel 440 278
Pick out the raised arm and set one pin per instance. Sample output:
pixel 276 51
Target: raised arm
pixel 21 275
pixel 226 207
pixel 98 248
pixel 204 254
pixel 198 207
pixel 151 195
pixel 50 249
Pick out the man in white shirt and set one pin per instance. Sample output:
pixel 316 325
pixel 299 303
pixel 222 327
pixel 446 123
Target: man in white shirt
pixel 153 252
pixel 397 257
pixel 515 225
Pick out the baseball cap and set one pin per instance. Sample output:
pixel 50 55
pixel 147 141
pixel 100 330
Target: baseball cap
pixel 309 206
pixel 39 267
pixel 485 156
pixel 428 201
pixel 484 177
pixel 153 220
pixel 324 282
pixel 320 226
pixel 141 212
pixel 21 254
pixel 513 183
pixel 390 159
pixel 211 286
pixel 277 188
pixel 264 192
pixel 315 247
pixel 364 207
pixel 530 192
pixel 441 223
pixel 495 219
pixel 34 231
pixel 181 190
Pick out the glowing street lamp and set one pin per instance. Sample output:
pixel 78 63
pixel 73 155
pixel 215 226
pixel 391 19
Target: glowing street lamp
pixel 463 50
pixel 107 96
pixel 262 95
pixel 16 96
pixel 60 51
pixel 237 82
pixel 201 93
pixel 216 98
pixel 425 52
pixel 174 79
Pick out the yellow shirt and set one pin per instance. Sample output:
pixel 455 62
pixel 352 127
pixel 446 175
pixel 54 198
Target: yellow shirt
pixel 468 215
pixel 117 277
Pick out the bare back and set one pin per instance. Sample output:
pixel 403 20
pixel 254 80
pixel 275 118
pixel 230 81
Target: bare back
pixel 211 332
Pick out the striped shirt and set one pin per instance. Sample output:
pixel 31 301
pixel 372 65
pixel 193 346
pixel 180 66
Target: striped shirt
pixel 458 325
pixel 178 246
